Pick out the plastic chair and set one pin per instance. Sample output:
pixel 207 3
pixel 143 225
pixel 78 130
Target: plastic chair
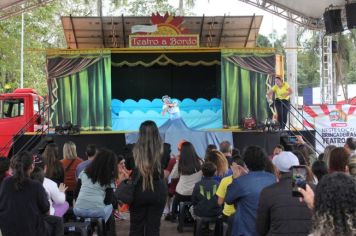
pixel 200 221
pixel 77 228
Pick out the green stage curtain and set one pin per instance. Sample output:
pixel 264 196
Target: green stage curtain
pixel 243 93
pixel 84 98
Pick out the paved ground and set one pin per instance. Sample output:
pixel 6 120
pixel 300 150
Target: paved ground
pixel 167 228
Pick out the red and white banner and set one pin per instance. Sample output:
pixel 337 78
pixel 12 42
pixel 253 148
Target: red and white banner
pixel 334 123
pixel 164 41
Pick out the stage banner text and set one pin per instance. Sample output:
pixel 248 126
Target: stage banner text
pixel 164 41
pixel 333 123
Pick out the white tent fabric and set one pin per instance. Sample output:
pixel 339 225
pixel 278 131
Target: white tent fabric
pixel 309 8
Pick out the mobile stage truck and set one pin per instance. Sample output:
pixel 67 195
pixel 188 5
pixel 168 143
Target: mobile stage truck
pixel 117 69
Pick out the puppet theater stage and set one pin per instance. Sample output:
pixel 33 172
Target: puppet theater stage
pixel 119 90
pixel 109 92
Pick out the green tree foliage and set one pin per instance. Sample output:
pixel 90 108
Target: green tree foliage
pixel 308 60
pixel 43 30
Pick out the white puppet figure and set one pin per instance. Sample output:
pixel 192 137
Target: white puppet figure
pixel 170 106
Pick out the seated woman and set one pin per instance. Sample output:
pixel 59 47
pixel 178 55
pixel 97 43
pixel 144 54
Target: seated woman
pixel 221 163
pixel 188 170
pixel 54 171
pixel 94 184
pixel 23 202
pixel 56 195
pixel 70 162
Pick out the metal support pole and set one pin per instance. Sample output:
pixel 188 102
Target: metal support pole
pixel 22 44
pixel 291 60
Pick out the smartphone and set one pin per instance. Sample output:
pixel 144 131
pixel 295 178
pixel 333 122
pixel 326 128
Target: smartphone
pixel 299 180
pixel 292 139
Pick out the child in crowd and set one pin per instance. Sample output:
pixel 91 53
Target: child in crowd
pixel 204 197
pixel 123 174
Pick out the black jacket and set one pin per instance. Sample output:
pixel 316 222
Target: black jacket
pixel 22 212
pixel 281 214
pixel 204 198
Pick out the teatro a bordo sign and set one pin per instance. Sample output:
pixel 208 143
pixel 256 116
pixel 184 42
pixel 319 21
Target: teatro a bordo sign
pixel 165 32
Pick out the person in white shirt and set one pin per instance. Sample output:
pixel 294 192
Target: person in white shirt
pixel 188 170
pixel 56 197
pixel 56 194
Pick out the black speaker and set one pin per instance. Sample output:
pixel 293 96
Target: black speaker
pixel 351 15
pixel 332 20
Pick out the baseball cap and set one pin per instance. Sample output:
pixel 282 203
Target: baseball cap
pixel 285 160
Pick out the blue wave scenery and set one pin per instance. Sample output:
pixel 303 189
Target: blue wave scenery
pixel 200 114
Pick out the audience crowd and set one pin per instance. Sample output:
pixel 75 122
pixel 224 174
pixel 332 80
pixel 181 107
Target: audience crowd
pixel 234 193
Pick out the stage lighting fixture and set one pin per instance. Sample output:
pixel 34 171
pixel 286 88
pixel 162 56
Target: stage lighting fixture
pixel 351 15
pixel 332 20
pixel 68 129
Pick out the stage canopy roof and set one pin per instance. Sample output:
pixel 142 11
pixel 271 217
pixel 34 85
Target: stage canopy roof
pixel 308 13
pixel 113 32
pixel 9 8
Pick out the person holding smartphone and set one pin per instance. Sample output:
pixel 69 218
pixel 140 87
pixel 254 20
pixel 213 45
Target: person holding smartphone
pixel 333 205
pixel 279 213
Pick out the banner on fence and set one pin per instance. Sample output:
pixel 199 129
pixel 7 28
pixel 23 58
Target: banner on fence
pixel 333 123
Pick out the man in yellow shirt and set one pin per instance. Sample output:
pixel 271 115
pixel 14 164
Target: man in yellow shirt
pixel 229 210
pixel 282 91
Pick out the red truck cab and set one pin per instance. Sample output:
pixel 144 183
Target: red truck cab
pixel 19 110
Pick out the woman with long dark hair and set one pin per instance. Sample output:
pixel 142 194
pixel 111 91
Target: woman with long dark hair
pixel 93 185
pixel 54 171
pixel 23 202
pixel 151 190
pixel 188 170
pixel 334 205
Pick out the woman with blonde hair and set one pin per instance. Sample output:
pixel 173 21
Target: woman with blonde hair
pixel 222 165
pixel 151 190
pixel 70 162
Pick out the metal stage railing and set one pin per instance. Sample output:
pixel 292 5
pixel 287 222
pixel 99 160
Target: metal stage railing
pixel 38 133
pixel 299 118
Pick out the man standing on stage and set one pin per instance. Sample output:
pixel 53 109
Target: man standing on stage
pixel 282 91
pixel 171 107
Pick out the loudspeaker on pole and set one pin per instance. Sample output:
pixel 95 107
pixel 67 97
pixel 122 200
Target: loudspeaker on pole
pixel 332 20
pixel 351 15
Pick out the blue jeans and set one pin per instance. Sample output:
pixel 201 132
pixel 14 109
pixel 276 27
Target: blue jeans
pixel 94 213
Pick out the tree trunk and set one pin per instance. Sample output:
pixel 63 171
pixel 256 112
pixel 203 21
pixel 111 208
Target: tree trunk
pixel 180 8
pixel 99 7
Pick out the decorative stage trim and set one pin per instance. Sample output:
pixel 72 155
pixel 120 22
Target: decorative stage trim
pixel 94 53
pixel 248 51
pixel 164 60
